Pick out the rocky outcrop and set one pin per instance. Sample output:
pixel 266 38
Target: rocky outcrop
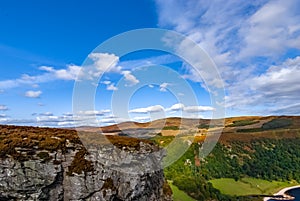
pixel 74 173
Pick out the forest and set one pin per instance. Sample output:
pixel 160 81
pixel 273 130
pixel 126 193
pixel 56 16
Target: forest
pixel 265 158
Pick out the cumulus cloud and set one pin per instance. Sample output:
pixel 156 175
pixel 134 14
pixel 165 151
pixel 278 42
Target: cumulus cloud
pixel 81 118
pixel 265 36
pixel 141 119
pixel 194 109
pixel 3 115
pixel 242 42
pixel 154 108
pixel 70 73
pixel 276 88
pixel 189 109
pixel 163 87
pixel 50 74
pixel 106 82
pixel 46 114
pixel 92 112
pixel 176 107
pixel 102 62
pixel 3 108
pixel 293 109
pixel 281 80
pixel 109 85
pixel 226 33
pixel 33 94
pixel 130 78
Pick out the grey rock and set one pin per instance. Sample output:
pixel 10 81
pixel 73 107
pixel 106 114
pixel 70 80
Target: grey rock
pixel 117 175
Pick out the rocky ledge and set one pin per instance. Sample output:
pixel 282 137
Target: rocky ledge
pixel 53 164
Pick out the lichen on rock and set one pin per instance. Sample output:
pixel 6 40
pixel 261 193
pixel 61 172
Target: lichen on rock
pixel 52 164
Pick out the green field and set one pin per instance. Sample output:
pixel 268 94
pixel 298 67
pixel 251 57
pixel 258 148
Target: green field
pixel 249 186
pixel 179 195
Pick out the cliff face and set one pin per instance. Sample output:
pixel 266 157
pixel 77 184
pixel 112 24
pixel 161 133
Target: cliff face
pixel 70 172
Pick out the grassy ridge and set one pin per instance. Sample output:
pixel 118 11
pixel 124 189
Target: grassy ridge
pixel 248 186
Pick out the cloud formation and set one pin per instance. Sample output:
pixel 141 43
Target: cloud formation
pixel 3 108
pixel 50 74
pixel 250 41
pixel 176 107
pixel 154 108
pixel 130 78
pixel 70 73
pixel 33 94
pixel 163 87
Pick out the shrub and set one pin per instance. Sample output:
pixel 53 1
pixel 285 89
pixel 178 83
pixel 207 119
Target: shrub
pixel 171 128
pixel 80 164
pixel 243 123
pixel 277 123
pixel 44 155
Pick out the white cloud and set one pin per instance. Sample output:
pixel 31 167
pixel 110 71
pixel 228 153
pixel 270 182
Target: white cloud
pixel 50 74
pixel 111 87
pixel 141 119
pixel 102 62
pixel 48 119
pixel 3 108
pixel 3 115
pixel 151 85
pixel 271 29
pixel 176 107
pixel 242 42
pixel 249 29
pixel 130 78
pixel 189 109
pixel 293 109
pixel 33 94
pixel 3 120
pixel 46 114
pixel 194 109
pixel 155 108
pixel 70 73
pixel 276 88
pixel 92 112
pixel 83 118
pixel 163 87
pixel 280 83
pixel 106 82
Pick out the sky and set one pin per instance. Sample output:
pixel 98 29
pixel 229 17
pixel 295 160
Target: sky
pixel 47 48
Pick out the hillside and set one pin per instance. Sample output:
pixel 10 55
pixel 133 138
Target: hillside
pixel 260 154
pixel 251 151
pixel 231 125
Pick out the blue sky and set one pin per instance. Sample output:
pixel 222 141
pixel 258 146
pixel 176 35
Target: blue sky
pixel 43 45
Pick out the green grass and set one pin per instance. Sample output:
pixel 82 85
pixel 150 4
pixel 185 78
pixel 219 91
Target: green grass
pixel 162 141
pixel 179 195
pixel 171 128
pixel 249 186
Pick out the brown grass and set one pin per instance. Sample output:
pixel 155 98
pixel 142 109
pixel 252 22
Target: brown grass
pixel 80 164
pixel 52 139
